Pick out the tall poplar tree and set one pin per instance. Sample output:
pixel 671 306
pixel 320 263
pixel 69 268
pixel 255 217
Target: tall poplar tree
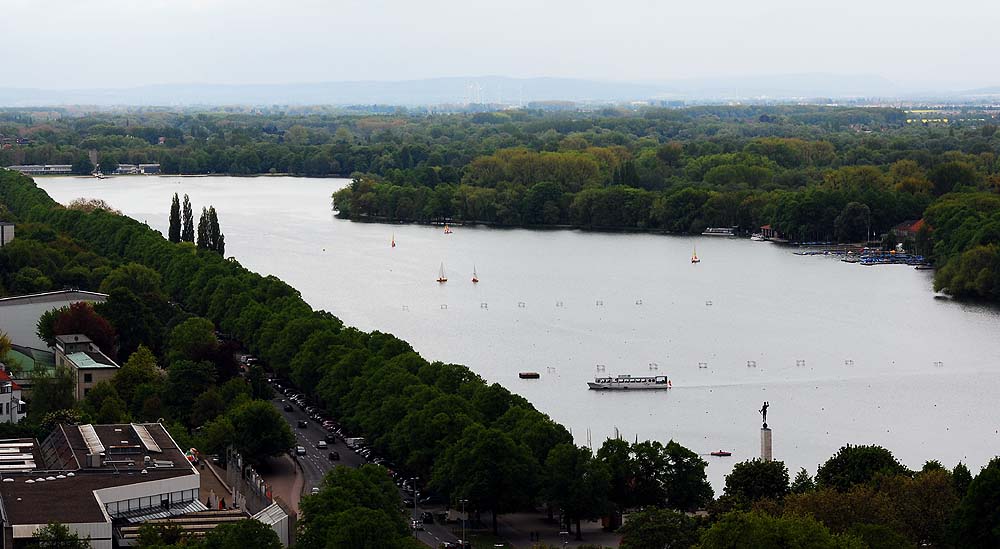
pixel 203 238
pixel 216 240
pixel 187 231
pixel 174 234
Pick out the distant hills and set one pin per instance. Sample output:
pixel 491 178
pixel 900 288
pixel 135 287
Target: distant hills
pixel 483 89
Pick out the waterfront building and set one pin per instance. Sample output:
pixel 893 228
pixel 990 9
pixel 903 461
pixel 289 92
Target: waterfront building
pixel 43 169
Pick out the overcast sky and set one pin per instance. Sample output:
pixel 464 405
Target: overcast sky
pixel 114 43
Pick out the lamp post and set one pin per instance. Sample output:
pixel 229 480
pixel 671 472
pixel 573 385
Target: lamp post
pixel 416 494
pixel 463 502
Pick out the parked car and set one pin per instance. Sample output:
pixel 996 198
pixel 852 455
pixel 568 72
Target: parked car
pixel 300 450
pixel 334 456
pixel 314 491
pixel 302 424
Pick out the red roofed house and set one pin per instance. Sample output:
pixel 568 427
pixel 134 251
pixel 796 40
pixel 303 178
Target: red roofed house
pixel 907 229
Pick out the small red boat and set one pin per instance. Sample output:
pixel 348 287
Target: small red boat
pixel 721 453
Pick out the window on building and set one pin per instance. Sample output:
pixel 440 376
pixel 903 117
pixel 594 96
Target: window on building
pixel 88 378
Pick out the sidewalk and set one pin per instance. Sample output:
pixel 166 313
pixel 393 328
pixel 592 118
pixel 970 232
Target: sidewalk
pixel 285 479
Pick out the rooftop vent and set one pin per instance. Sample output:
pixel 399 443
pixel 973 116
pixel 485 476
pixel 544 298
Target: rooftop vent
pixel 70 474
pixel 29 481
pixel 8 480
pixel 50 478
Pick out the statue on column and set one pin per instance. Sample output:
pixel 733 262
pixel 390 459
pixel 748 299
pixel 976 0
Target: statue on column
pixel 763 413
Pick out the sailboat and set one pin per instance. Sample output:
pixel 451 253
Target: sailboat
pixel 475 277
pixel 441 278
pixel 393 240
pixel 694 256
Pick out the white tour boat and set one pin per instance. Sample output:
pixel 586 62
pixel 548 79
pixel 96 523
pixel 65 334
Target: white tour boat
pixel 627 382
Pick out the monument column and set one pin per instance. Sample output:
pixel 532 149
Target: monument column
pixel 765 435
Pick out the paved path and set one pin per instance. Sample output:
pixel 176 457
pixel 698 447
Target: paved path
pixel 285 479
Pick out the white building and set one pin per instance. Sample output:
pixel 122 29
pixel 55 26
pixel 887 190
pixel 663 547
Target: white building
pixel 19 314
pixel 43 169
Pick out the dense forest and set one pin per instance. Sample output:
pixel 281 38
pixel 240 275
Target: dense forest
pixel 815 174
pixel 441 422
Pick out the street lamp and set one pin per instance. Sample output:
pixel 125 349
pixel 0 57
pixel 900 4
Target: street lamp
pixel 463 502
pixel 416 494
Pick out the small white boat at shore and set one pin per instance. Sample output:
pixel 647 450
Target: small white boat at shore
pixel 627 382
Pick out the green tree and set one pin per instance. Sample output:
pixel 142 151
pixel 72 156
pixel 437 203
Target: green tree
pixel 659 529
pixel 852 225
pixel 157 536
pixel 260 431
pixel 187 221
pixel 139 369
pixel 193 339
pixel 242 535
pixel 203 241
pixel 577 483
pixel 52 391
pixel 45 329
pixel 978 514
pixel 174 232
pixel 82 165
pixel 55 535
pixel 671 476
pixel 739 530
pixel 803 483
pixel 962 478
pixel 354 509
pixel 856 465
pixel 757 479
pixel 486 467
pixel 107 164
pixel 616 454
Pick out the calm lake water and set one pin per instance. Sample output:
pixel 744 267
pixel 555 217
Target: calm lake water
pixel 844 353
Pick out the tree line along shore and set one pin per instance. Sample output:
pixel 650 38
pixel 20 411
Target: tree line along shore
pixel 440 422
pixel 814 174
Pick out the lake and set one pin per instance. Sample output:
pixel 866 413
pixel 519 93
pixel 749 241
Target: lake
pixel 844 353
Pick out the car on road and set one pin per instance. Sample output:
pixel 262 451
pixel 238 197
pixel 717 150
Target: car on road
pixel 314 490
pixel 288 408
pixel 334 456
pixel 427 517
pixel 331 438
pixel 300 450
pixel 321 445
pixel 416 525
pixel 302 424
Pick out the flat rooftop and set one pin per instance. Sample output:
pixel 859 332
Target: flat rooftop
pixel 91 360
pixel 61 487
